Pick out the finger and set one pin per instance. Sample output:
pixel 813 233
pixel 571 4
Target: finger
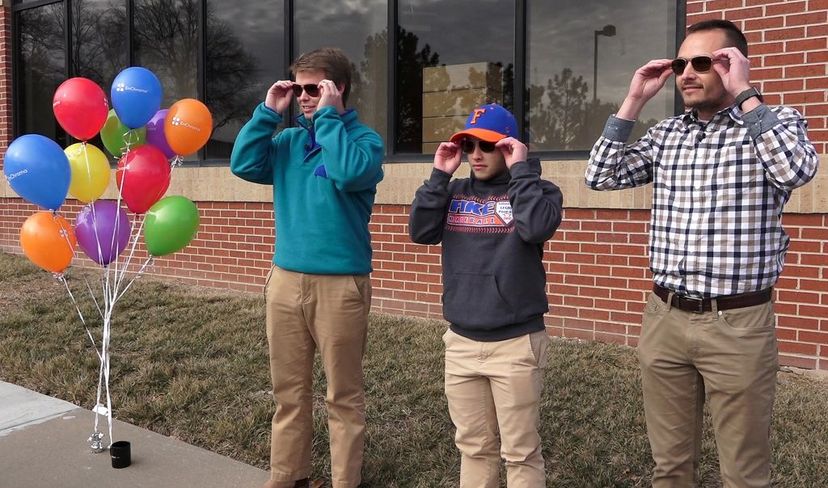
pixel 507 144
pixel 664 75
pixel 730 53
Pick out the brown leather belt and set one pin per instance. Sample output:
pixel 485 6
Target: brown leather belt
pixel 701 305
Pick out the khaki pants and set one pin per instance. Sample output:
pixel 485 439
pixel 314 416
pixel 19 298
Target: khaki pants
pixel 730 356
pixel 495 387
pixel 306 312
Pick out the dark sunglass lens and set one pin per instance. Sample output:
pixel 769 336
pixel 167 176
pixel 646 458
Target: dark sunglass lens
pixel 702 63
pixel 678 66
pixel 467 146
pixel 486 146
pixel 312 90
pixel 297 90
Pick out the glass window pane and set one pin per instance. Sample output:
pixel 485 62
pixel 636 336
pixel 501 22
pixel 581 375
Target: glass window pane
pixel 358 27
pixel 99 39
pixel 576 45
pixel 41 68
pixel 166 42
pixel 453 55
pixel 245 56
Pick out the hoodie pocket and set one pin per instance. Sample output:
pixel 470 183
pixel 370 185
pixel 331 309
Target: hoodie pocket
pixel 475 300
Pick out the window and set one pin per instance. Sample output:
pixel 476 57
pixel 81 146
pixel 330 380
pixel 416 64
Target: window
pixel 570 54
pixel 41 68
pixel 360 30
pixel 452 55
pixel 244 57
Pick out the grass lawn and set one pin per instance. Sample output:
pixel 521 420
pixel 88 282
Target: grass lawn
pixel 192 363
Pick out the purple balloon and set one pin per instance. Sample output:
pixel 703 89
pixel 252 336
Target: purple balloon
pixel 155 133
pixel 110 223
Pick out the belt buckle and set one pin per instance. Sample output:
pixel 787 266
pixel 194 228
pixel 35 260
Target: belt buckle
pixel 698 304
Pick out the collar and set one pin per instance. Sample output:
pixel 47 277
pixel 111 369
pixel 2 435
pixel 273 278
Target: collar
pixel 726 116
pixel 348 116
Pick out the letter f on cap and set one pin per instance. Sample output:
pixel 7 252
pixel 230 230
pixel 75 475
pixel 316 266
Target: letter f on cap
pixel 478 112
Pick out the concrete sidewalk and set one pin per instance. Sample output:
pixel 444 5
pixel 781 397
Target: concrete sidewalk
pixel 43 444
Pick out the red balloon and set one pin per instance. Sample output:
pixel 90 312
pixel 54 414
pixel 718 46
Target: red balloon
pixel 143 176
pixel 80 107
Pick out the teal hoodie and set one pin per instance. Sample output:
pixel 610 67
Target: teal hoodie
pixel 324 176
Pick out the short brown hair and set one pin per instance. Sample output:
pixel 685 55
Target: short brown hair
pixel 331 61
pixel 734 35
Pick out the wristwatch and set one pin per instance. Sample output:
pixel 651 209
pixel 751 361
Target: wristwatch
pixel 749 93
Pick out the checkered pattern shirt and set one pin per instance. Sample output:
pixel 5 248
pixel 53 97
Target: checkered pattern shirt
pixel 718 192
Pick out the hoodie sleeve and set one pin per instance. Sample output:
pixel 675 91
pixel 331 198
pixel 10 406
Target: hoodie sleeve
pixel 536 203
pixel 254 152
pixel 428 211
pixel 352 165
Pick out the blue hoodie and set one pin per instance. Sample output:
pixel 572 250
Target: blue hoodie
pixel 324 176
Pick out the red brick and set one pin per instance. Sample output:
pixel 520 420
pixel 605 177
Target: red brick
pixel 797 348
pixel 744 13
pixel 787 7
pixel 810 18
pixel 783 59
pixel 806 44
pixel 804 71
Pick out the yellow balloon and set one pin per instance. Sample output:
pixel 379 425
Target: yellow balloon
pixel 90 171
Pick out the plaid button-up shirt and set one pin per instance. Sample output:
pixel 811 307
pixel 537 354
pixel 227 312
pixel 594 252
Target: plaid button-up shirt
pixel 718 192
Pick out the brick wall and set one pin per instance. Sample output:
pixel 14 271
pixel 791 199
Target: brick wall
pixel 5 79
pixel 788 52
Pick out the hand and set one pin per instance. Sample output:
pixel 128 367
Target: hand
pixel 649 79
pixel 513 150
pixel 330 95
pixel 447 157
pixel 733 68
pixel 279 96
pixel 646 82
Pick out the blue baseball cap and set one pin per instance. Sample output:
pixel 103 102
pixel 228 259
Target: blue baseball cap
pixel 489 123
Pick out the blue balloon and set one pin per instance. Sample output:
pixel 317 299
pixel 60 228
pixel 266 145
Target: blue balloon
pixel 136 96
pixel 38 170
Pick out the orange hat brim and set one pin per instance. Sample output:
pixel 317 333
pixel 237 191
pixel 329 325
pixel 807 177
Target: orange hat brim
pixel 482 134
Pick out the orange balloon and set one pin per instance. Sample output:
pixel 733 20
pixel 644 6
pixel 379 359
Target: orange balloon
pixel 48 241
pixel 187 126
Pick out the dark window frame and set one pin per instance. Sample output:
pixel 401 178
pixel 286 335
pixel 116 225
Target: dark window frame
pixel 520 95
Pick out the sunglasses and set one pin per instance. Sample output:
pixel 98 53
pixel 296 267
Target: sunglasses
pixel 311 89
pixel 700 64
pixel 468 145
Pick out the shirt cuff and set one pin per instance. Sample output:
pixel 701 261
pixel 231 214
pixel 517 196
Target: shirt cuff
pixel 759 120
pixel 439 177
pixel 618 130
pixel 268 113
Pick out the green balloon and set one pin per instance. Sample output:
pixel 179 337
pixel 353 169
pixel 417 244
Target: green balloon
pixel 170 224
pixel 115 135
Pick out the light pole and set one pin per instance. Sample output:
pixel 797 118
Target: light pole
pixel 609 31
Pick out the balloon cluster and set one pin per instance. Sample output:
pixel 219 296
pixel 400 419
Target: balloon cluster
pixel 146 140
pixel 143 138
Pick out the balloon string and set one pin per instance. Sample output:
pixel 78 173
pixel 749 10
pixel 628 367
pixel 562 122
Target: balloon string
pixel 94 298
pixel 63 232
pixel 137 275
pixel 131 252
pixel 62 279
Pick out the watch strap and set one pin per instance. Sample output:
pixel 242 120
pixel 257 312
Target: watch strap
pixel 749 93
